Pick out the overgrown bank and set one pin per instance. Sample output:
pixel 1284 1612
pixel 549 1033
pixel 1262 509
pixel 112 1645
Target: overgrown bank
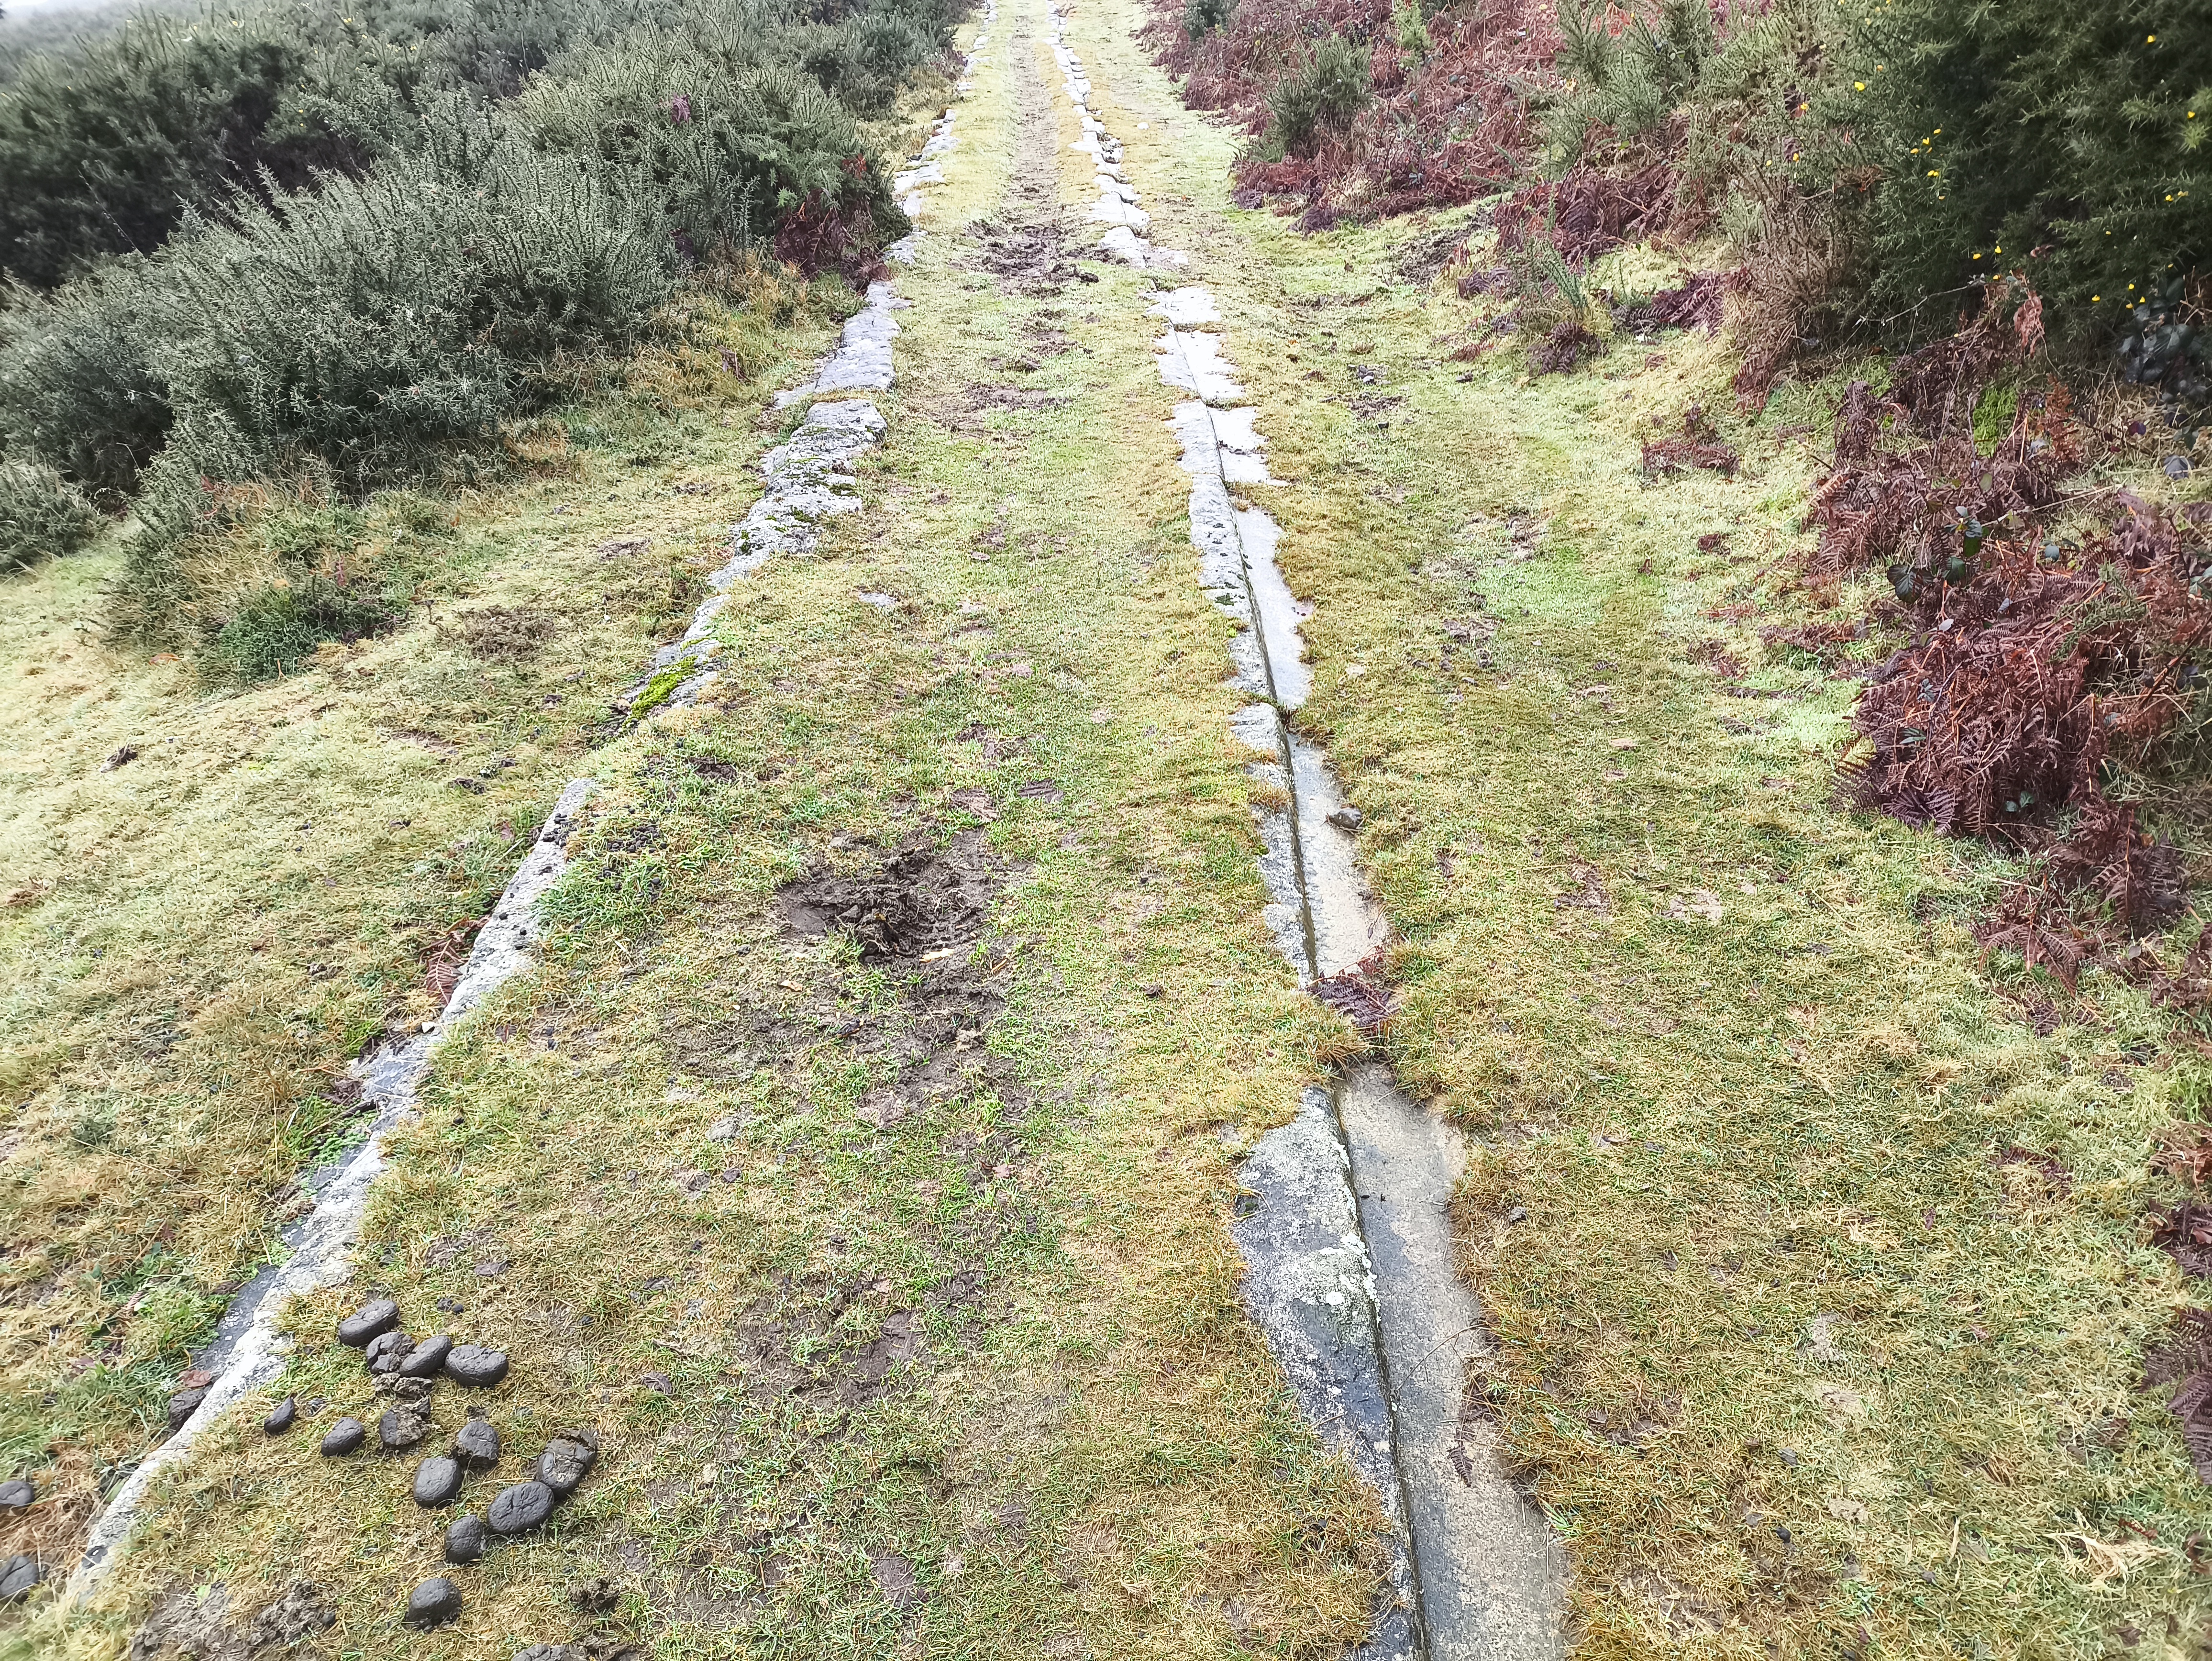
pixel 319 255
pixel 1820 1222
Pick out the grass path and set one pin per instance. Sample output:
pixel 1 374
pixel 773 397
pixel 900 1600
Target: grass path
pixel 900 1291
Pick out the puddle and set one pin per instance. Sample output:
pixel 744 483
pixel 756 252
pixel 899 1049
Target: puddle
pixel 1344 1223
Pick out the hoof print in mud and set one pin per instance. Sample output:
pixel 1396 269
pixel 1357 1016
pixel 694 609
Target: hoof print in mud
pixel 520 1508
pixel 437 1481
pixel 368 1322
pixel 468 1363
pixel 434 1602
pixel 922 899
pixel 343 1438
pixel 566 1461
pixel 465 1539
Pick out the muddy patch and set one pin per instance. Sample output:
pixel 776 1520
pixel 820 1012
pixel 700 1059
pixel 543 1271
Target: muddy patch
pixel 199 1624
pixel 506 634
pixel 1028 258
pixel 922 903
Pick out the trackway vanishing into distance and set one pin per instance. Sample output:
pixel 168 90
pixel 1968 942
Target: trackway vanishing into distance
pixel 1182 1021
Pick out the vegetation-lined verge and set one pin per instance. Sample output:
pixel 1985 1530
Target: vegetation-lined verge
pixel 1816 1217
pixel 325 255
pixel 213 904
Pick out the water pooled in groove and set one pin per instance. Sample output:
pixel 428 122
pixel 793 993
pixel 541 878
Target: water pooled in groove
pixel 1343 1225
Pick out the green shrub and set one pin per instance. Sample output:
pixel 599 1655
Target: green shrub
pixel 366 326
pixel 1323 93
pixel 104 150
pixel 726 154
pixel 277 627
pixel 1628 82
pixel 1201 17
pixel 2066 142
pixel 41 518
pixel 78 389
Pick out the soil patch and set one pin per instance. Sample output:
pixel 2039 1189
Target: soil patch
pixel 924 900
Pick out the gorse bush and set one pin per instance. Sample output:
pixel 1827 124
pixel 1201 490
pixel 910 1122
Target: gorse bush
pixel 372 237
pixel 78 381
pixel 41 518
pixel 727 153
pixel 1333 85
pixel 2071 143
pixel 1202 17
pixel 106 149
pixel 415 308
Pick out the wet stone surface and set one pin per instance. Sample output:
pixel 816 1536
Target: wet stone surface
pixel 343 1438
pixel 466 1539
pixel 434 1602
pixel 17 1576
pixel 367 1322
pixel 521 1507
pixel 437 1481
pixel 16 1492
pixel 281 1417
pixel 469 1364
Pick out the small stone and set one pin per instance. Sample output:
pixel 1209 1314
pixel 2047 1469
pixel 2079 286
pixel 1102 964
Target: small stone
pixel 365 1323
pixel 2175 467
pixel 184 1404
pixel 1347 818
pixel 281 1417
pixel 437 1481
pixel 478 1446
pixel 566 1460
pixel 723 1130
pixel 387 1350
pixel 434 1602
pixel 344 1437
pixel 17 1576
pixel 659 1383
pixel 402 1427
pixel 426 1358
pixel 550 1652
pixel 523 1506
pixel 465 1539
pixel 16 1493
pixel 467 1363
